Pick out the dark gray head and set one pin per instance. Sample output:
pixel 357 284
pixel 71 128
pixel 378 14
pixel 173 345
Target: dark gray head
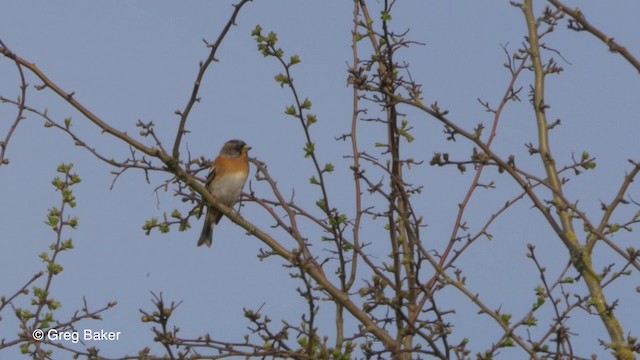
pixel 234 148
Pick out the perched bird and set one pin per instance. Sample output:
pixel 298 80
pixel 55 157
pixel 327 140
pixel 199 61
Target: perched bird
pixel 226 179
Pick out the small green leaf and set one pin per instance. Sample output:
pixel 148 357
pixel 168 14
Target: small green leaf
pixel 256 31
pixel 282 79
pixel 54 269
pixel 291 111
pixel 585 156
pixel 164 228
pixel 329 168
pixel 311 119
pixel 613 228
pixel 272 38
pixel 73 222
pixel 309 149
pixel 40 294
pixel 184 226
pixel 531 321
pixel 506 318
pixel 75 179
pixel 149 224
pixel 53 305
pixel 539 302
pixel 52 221
pixel 337 220
pixel 508 342
pixel 67 244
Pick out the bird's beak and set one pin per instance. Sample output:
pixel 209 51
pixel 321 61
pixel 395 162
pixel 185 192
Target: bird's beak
pixel 246 148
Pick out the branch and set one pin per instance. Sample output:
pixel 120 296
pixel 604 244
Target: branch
pixel 204 65
pixel 68 97
pixel 619 199
pixel 20 103
pixel 581 24
pixel 309 265
pixel 580 258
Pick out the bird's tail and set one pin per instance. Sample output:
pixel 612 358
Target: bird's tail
pixel 206 236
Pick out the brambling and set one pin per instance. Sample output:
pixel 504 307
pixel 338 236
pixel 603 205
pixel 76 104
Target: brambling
pixel 226 179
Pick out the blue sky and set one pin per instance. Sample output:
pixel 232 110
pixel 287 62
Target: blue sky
pixel 137 60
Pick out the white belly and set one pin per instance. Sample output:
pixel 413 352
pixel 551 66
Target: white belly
pixel 228 189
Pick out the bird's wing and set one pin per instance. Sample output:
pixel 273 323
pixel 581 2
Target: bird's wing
pixel 211 176
pixel 207 184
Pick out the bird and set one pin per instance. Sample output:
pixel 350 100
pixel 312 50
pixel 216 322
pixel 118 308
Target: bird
pixel 226 179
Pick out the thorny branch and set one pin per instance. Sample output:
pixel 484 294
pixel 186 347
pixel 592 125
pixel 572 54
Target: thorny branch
pixel 204 66
pixel 396 310
pixel 578 22
pixel 20 104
